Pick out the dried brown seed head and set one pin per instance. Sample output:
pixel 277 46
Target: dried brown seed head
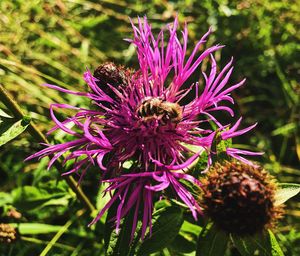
pixel 8 234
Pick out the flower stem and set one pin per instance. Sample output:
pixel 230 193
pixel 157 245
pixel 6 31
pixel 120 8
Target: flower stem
pixel 63 229
pixel 39 137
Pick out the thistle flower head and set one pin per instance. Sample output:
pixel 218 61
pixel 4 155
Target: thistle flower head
pixel 239 198
pixel 139 116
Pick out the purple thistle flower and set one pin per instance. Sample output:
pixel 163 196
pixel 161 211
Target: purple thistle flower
pixel 234 152
pixel 142 189
pixel 145 122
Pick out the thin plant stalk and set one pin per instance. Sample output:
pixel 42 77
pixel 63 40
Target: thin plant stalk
pixel 39 137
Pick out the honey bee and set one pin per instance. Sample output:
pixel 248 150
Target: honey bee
pixel 159 109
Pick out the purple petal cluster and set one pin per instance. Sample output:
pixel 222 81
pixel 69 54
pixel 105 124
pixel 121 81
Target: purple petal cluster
pixel 147 123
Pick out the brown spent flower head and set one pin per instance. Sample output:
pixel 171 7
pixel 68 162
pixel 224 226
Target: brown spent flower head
pixel 8 234
pixel 13 213
pixel 112 74
pixel 239 198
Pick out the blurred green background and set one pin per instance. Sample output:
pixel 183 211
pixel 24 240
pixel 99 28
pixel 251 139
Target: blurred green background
pixel 55 41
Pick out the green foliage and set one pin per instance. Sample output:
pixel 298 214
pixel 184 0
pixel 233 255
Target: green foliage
pixel 211 241
pixel 35 228
pixel 182 244
pixel 9 131
pixel 118 242
pixel 165 230
pixel 29 198
pixel 219 148
pixel 285 192
pixel 262 244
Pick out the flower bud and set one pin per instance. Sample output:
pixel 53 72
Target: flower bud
pixel 112 74
pixel 239 198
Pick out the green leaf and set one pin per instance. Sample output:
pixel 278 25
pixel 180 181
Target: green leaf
pixel 102 198
pixel 90 22
pixel 14 130
pixel 265 243
pixel 285 192
pixel 188 227
pixel 211 242
pixel 182 244
pixel 219 146
pixel 28 198
pixel 109 226
pixel 243 245
pixel 186 240
pixel 5 198
pixel 165 230
pixel 276 250
pixel 3 114
pixel 62 201
pixel 285 130
pixel 119 243
pixel 162 204
pixel 35 228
